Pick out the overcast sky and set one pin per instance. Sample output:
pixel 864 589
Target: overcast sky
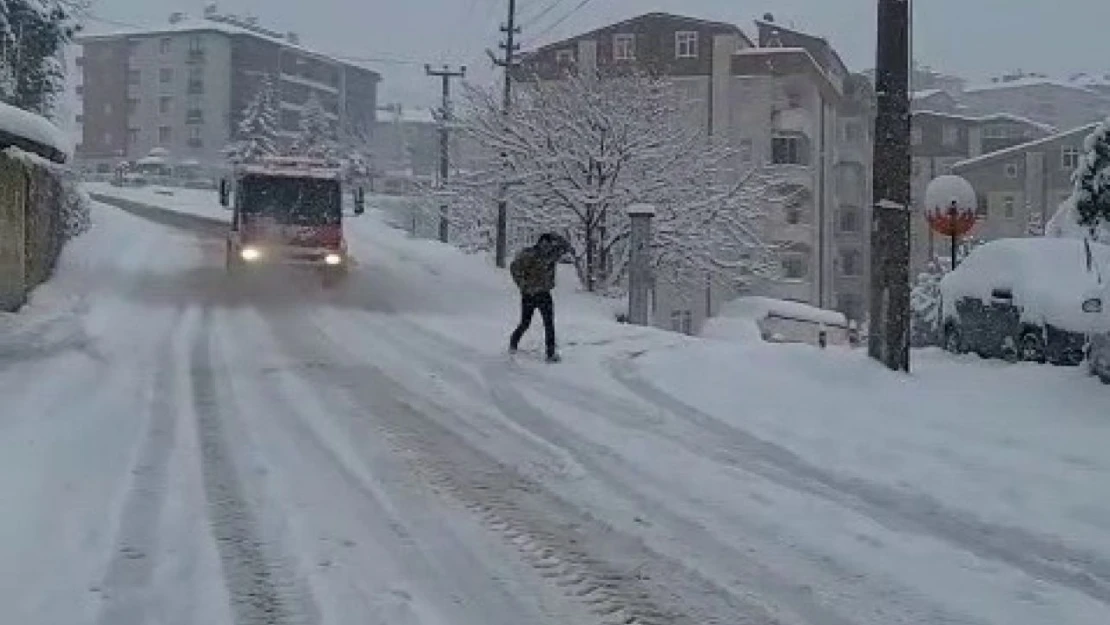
pixel 973 38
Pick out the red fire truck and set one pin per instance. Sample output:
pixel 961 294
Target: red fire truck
pixel 288 211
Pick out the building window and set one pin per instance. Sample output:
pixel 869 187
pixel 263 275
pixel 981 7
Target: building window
pixel 164 45
pixel 788 150
pixel 134 77
pixel 132 105
pixel 1008 207
pixel 994 131
pixel 164 104
pixel 916 135
pixel 982 210
pixel 1011 170
pixel 195 140
pixel 624 47
pixel 165 134
pixel 850 265
pixel 80 119
pixel 165 75
pixel 686 45
pixel 951 135
pixel 849 220
pixel 195 44
pixel 795 266
pixel 133 136
pixel 1069 159
pixel 80 89
pixel 564 57
pixel 793 99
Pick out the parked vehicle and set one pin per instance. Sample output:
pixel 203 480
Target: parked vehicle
pixel 288 212
pixel 1034 299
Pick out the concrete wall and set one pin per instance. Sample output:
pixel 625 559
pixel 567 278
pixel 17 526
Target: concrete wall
pixel 13 190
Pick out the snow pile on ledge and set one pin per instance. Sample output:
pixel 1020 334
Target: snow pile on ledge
pixel 33 127
pixel 1048 278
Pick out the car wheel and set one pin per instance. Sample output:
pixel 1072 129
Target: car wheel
pixel 954 340
pixel 1032 348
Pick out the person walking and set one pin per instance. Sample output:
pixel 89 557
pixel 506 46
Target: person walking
pixel 533 270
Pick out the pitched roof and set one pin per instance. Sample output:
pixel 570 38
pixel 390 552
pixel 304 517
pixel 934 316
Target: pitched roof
pixel 818 47
pixel 1027 82
pixel 993 117
pixel 655 15
pixel 201 25
pixel 1022 147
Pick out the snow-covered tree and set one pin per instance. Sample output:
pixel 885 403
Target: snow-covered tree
pixel 256 136
pixel 1092 180
pixel 576 153
pixel 33 34
pixel 316 137
pixel 925 306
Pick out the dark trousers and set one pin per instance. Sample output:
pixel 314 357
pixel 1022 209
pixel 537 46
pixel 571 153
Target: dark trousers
pixel 528 306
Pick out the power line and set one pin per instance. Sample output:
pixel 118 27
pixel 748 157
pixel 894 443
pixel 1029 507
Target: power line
pixel 537 17
pixel 578 7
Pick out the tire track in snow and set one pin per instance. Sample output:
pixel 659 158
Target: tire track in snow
pixel 125 588
pixel 1038 556
pixel 615 575
pixel 258 584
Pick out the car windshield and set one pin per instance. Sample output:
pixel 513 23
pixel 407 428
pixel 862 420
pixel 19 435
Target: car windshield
pixel 291 200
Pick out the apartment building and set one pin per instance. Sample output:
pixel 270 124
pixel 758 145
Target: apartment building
pixel 1059 103
pixel 1023 184
pixel 939 141
pixel 183 88
pixel 790 105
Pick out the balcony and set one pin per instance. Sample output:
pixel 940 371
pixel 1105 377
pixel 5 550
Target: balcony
pixel 195 87
pixel 196 143
pixel 794 120
pixel 194 116
pixel 195 57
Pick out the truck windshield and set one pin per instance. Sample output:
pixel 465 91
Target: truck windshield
pixel 289 200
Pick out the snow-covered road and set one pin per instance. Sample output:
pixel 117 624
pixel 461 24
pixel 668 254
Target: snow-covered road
pixel 175 448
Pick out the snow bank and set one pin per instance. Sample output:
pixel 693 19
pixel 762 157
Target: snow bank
pixel 1047 276
pixel 33 127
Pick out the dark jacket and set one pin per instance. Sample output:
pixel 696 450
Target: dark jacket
pixel 533 269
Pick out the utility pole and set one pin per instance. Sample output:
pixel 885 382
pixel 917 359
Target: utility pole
pixel 510 46
pixel 445 74
pixel 890 231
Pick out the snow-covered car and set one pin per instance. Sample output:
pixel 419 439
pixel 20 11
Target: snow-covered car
pixel 1098 356
pixel 1035 299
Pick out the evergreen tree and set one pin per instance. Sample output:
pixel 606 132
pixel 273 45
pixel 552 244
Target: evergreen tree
pixel 1092 180
pixel 33 34
pixel 925 306
pixel 256 136
pixel 316 138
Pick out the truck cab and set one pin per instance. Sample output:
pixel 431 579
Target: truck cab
pixel 287 212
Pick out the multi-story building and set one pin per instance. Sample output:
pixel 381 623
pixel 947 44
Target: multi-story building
pixel 184 87
pixel 1059 103
pixel 1023 185
pixel 790 105
pixel 940 141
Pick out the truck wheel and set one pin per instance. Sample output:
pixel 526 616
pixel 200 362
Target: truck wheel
pixel 1032 347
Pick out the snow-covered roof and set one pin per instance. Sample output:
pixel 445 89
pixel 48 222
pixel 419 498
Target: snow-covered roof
pixel 32 127
pixel 757 307
pixel 1027 82
pixel 1048 278
pixel 192 24
pixel 993 117
pixel 1022 147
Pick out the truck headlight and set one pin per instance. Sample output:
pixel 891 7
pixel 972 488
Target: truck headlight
pixel 250 254
pixel 333 259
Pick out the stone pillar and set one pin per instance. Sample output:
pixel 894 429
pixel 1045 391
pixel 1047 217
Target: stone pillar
pixel 639 272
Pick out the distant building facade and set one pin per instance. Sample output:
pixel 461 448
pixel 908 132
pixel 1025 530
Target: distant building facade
pixel 184 87
pixel 1058 103
pixel 1023 184
pixel 790 105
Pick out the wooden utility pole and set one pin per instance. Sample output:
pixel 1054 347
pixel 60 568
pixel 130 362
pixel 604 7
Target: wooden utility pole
pixel 445 74
pixel 510 46
pixel 889 340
